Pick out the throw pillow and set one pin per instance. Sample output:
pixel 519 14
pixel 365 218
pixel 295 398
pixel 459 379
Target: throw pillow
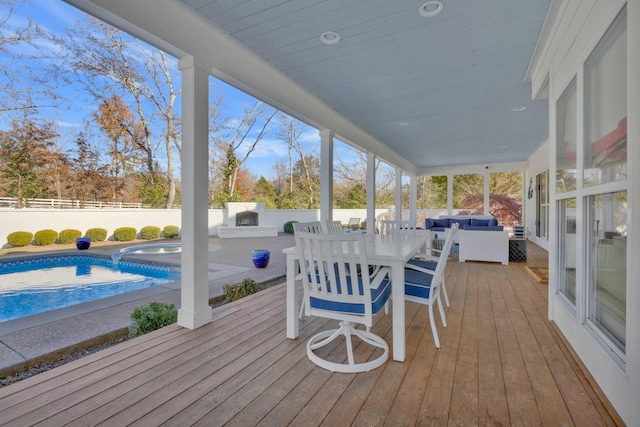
pixel 493 222
pixel 428 223
pixel 479 222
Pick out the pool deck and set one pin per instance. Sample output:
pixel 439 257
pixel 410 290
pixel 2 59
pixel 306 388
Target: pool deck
pixel 24 342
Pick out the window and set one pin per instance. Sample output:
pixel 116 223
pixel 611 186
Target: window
pixel 605 153
pixel 567 249
pixel 566 140
pixel 542 203
pixel 607 266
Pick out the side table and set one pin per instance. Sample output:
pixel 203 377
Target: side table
pixel 517 249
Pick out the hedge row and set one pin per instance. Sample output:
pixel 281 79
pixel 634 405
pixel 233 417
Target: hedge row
pixel 122 234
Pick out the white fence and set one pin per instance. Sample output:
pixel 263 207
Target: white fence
pixel 12 202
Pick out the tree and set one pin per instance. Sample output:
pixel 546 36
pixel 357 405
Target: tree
pixel 107 61
pixel 88 180
pixel 432 192
pixel 116 121
pixel 251 130
pixel 265 193
pixel 23 150
pixel 21 88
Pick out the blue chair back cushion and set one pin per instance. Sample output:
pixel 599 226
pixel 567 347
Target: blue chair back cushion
pixel 462 222
pixel 428 223
pixel 417 284
pixel 441 223
pixel 379 297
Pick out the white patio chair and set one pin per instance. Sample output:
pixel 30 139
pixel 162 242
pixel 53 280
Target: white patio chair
pixel 335 288
pixel 427 261
pixel 333 227
pixel 390 227
pixel 311 227
pixel 422 285
pixel 308 227
pixel 354 223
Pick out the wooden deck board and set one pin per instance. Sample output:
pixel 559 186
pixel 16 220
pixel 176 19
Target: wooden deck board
pixel 501 362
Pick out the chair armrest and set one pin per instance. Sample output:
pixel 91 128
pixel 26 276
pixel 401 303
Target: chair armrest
pixel 420 269
pixel 379 274
pixel 427 257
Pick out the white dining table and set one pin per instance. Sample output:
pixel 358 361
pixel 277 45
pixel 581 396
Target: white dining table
pixel 390 250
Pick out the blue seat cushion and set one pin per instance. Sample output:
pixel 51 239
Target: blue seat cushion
pixel 429 265
pixel 417 284
pixel 438 228
pixel 379 297
pixel 484 228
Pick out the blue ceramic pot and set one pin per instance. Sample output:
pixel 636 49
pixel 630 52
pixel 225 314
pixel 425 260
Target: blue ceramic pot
pixel 260 257
pixel 83 243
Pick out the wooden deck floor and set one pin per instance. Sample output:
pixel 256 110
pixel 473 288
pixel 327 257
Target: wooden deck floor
pixel 501 362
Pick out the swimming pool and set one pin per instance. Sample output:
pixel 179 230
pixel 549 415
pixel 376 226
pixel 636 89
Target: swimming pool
pixel 35 285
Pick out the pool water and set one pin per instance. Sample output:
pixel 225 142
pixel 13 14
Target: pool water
pixel 38 285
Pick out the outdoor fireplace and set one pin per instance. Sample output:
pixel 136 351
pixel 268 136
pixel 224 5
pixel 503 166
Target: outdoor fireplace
pixel 245 220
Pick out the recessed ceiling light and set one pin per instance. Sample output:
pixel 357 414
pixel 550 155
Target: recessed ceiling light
pixel 519 108
pixel 431 8
pixel 403 123
pixel 330 37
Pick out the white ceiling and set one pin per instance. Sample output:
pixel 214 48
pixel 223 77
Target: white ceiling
pixel 454 78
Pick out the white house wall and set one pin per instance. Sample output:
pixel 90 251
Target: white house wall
pixel 538 163
pixel 573 29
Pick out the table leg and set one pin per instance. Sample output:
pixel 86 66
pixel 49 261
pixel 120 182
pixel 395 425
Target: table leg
pixel 292 297
pixel 397 278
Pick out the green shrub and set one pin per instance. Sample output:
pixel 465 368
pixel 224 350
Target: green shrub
pixel 124 234
pixel 171 231
pixel 45 237
pixel 18 239
pixel 69 236
pixel 288 227
pixel 239 290
pixel 152 316
pixel 96 234
pixel 150 232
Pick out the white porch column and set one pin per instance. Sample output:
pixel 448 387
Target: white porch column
pixel 413 199
pixel 398 194
pixel 326 175
pixel 194 306
pixel 371 193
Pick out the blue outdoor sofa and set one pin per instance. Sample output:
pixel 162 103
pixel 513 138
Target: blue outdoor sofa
pixel 465 223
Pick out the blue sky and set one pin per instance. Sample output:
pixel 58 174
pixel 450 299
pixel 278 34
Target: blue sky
pixel 56 16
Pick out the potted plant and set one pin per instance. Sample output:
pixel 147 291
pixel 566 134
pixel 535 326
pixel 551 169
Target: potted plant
pixel 261 257
pixel 83 243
